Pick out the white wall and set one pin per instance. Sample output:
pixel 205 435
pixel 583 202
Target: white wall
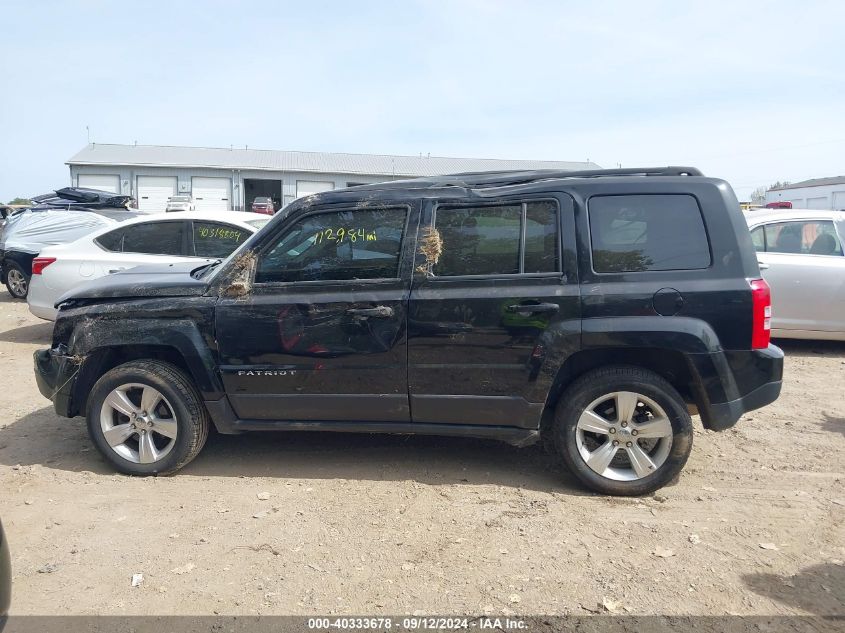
pixel 832 197
pixel 129 178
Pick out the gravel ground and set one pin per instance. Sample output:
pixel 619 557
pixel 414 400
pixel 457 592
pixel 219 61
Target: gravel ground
pixel 361 524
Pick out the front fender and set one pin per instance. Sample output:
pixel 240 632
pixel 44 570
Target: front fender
pixel 181 334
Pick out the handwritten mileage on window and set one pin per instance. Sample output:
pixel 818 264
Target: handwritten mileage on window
pixel 219 233
pixel 351 234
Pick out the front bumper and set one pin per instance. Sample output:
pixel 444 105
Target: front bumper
pixel 55 375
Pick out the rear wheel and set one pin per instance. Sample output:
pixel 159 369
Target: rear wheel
pixel 623 430
pixel 17 281
pixel 146 418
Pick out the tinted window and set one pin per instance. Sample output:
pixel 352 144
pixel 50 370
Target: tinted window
pixel 212 239
pixel 154 238
pixel 111 241
pixel 541 249
pixel 486 240
pixel 479 240
pixel 648 232
pixel 809 238
pixel 360 244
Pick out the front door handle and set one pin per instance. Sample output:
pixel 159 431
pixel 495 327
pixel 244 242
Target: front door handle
pixel 379 312
pixel 763 265
pixel 534 308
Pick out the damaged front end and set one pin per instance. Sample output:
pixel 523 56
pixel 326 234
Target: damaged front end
pixel 55 373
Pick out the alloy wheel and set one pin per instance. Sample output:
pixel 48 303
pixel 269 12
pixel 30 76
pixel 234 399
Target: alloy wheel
pixel 624 436
pixel 17 282
pixel 138 423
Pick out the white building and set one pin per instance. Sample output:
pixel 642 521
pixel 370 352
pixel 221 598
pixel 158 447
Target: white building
pixel 818 193
pixel 221 178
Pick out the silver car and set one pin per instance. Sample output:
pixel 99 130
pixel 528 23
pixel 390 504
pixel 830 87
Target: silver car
pixel 801 257
pixel 180 203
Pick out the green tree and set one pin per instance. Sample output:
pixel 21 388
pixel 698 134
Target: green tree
pixel 20 201
pixel 758 196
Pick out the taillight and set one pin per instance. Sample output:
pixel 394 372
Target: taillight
pixel 40 263
pixel 761 301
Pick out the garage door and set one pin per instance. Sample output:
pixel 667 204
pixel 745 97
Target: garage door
pixel 153 192
pixel 103 182
pixel 817 203
pixel 212 194
pixel 839 200
pixel 307 187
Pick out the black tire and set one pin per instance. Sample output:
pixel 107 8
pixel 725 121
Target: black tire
pixel 181 395
pixel 594 385
pixel 16 269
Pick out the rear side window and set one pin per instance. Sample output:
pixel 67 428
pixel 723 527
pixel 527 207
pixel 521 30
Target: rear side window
pixel 154 238
pixel 647 232
pixel 817 237
pixel 489 240
pixel 213 239
pixel 111 241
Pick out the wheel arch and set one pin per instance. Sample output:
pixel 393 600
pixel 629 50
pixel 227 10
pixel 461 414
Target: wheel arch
pixel 104 345
pixel 672 365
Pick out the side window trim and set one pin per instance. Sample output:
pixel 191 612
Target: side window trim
pixel 272 240
pixel 523 202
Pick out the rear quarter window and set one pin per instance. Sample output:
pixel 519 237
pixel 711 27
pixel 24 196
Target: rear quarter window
pixel 641 233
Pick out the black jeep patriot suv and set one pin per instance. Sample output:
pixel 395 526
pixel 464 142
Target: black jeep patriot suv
pixel 594 310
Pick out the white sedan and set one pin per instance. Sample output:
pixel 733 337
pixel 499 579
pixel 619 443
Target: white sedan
pixel 151 239
pixel 801 257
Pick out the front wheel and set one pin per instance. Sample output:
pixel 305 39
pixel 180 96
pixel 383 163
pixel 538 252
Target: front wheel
pixel 623 430
pixel 146 418
pixel 17 281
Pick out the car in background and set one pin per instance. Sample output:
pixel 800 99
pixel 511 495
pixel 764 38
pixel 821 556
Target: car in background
pixel 180 203
pixel 149 239
pixel 802 258
pixel 55 219
pixel 5 578
pixel 263 205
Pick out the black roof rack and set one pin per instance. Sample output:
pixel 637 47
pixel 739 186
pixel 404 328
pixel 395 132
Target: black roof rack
pixel 483 179
pixel 493 179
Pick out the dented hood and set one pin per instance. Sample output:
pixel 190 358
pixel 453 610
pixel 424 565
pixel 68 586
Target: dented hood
pixel 159 280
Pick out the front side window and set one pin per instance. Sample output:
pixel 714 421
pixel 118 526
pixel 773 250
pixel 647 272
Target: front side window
pixel 488 240
pixel 154 238
pixel 214 239
pixel 337 246
pixel 816 237
pixel 647 232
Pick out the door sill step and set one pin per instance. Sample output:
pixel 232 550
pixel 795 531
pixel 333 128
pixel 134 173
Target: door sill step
pixel 511 435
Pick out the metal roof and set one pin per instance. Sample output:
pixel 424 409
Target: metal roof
pixel 813 182
pixel 321 162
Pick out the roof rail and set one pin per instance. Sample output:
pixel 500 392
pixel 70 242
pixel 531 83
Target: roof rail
pixel 502 178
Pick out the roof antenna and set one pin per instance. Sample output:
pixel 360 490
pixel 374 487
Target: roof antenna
pixel 88 134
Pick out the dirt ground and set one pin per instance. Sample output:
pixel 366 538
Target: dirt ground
pixel 400 525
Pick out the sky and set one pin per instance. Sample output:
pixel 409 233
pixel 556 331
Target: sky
pixel 753 92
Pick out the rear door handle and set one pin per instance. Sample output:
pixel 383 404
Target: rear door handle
pixel 379 312
pixel 763 265
pixel 115 270
pixel 534 308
